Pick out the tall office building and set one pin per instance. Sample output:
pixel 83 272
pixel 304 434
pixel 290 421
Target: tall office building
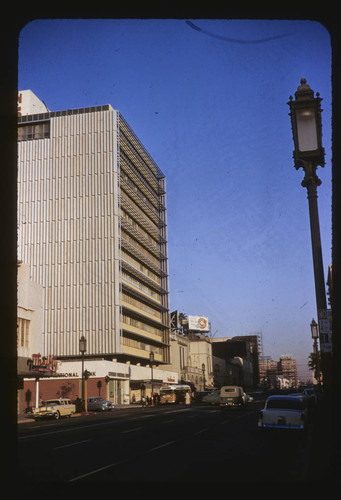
pixel 92 229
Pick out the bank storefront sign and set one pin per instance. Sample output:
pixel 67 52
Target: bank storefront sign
pixel 114 370
pixel 99 369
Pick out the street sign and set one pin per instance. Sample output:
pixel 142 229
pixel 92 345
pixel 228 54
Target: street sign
pixel 325 328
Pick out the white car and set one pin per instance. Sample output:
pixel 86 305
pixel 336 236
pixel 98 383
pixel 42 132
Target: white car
pixel 283 412
pixel 54 408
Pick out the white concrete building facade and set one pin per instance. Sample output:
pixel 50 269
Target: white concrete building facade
pixel 92 230
pixel 30 314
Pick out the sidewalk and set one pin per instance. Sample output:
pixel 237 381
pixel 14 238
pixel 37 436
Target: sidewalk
pixel 24 418
pixel 321 460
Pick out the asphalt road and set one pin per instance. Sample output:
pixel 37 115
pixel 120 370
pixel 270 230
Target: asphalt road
pixel 158 446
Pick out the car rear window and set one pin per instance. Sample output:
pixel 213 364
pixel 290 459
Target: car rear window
pixel 285 404
pixel 232 390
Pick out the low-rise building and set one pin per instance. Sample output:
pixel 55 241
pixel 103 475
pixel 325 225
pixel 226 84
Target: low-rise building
pixel 120 383
pixel 200 358
pixel 238 360
pixel 29 326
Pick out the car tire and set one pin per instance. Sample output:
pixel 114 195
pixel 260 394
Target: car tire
pixel 57 415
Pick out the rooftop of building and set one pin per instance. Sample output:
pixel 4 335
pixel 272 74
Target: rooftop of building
pixel 40 117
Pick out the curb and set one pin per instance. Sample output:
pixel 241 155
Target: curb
pixel 22 419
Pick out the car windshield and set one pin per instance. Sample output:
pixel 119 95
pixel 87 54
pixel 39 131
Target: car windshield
pixel 285 404
pixel 50 402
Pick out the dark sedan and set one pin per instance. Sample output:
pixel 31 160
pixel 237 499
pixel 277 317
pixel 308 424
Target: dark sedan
pixel 99 404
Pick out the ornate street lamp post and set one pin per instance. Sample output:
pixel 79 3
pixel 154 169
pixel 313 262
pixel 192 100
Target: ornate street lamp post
pixel 314 335
pixel 306 124
pixel 82 349
pixel 151 359
pixel 305 113
pixel 203 373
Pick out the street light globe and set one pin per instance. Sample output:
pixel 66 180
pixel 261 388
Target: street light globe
pixel 306 130
pixel 314 329
pixel 82 344
pixel 305 113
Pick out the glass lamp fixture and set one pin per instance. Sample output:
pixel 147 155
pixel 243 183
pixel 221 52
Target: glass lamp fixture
pixel 305 113
pixel 314 329
pixel 82 344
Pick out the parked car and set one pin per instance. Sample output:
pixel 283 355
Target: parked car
pixel 232 396
pixel 310 392
pixel 284 412
pixel 99 404
pixel 307 399
pixel 213 397
pixel 54 408
pixel 199 395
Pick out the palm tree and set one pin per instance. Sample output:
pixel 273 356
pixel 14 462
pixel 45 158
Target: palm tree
pixel 314 362
pixel 183 321
pixel 182 317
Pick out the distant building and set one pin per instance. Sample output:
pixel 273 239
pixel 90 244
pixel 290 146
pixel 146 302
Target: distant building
pixel 287 369
pixel 191 350
pixel 180 361
pixel 275 373
pixel 236 352
pixel 200 358
pixel 255 344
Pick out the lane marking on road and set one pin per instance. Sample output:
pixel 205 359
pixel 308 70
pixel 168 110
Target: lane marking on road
pixel 74 428
pixel 201 431
pixel 71 444
pixel 160 446
pixel 176 410
pixel 133 457
pixel 131 430
pixel 91 473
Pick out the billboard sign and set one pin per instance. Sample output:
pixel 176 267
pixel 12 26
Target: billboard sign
pixel 198 323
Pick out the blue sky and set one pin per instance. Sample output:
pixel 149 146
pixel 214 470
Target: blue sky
pixel 208 99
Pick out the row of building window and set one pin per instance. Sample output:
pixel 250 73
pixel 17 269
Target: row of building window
pixel 140 267
pixel 141 286
pixel 139 247
pixel 141 345
pixel 36 131
pixel 125 175
pixel 140 305
pixel 127 320
pixel 137 226
pixel 23 332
